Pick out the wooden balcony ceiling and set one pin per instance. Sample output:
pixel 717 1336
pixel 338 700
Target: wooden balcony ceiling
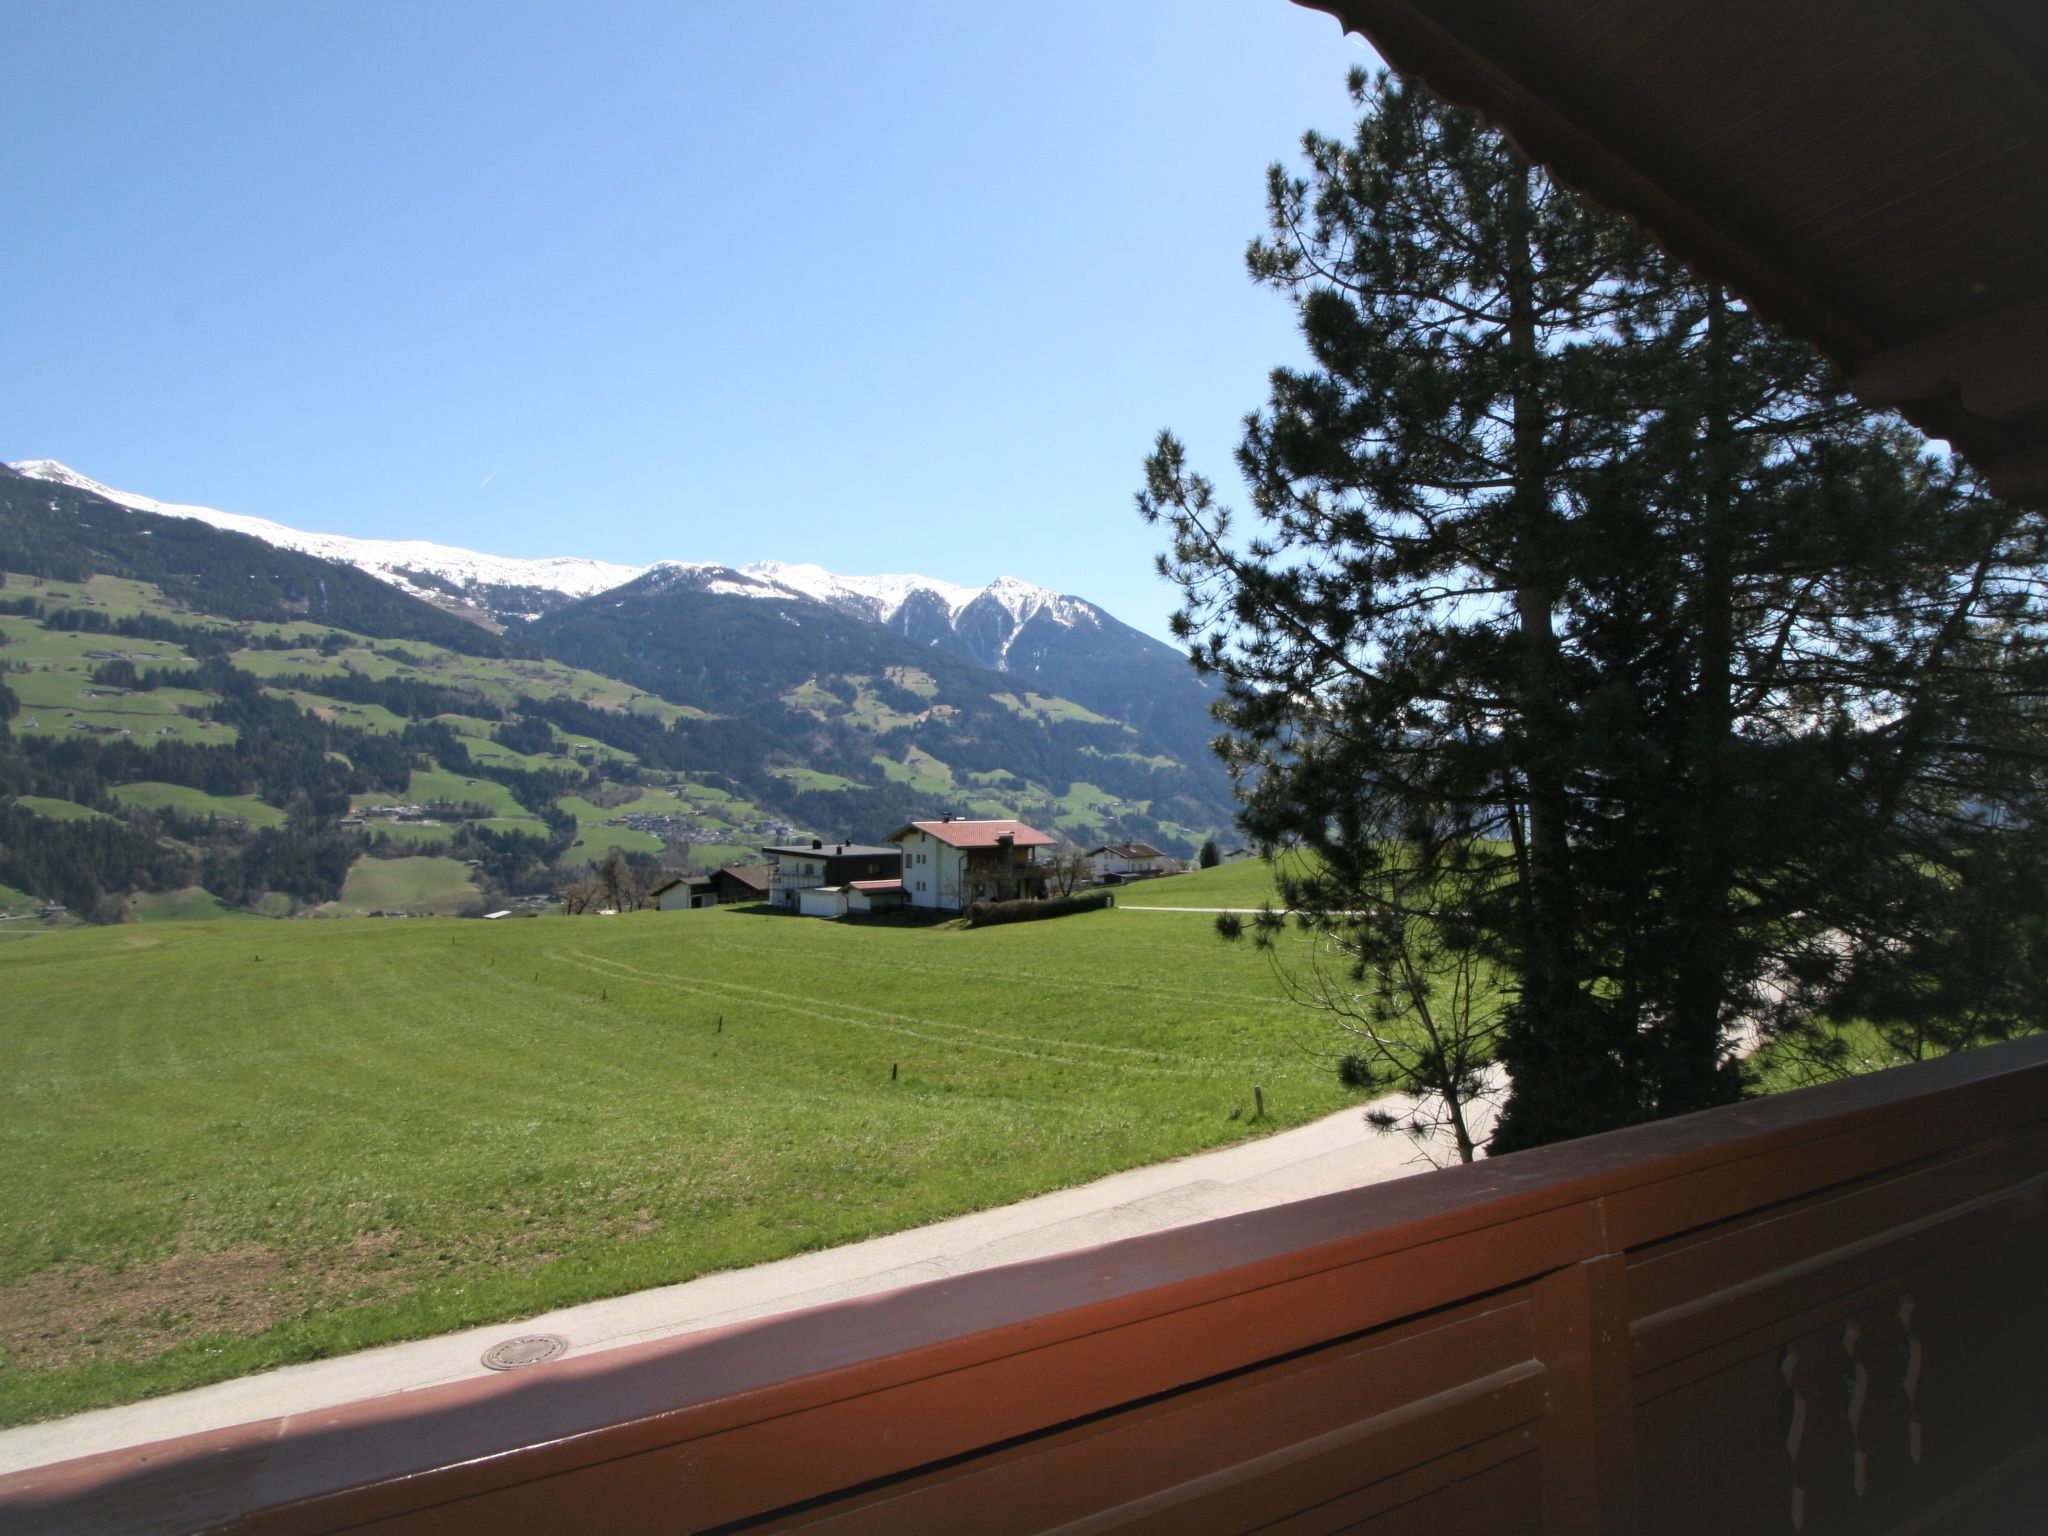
pixel 1871 174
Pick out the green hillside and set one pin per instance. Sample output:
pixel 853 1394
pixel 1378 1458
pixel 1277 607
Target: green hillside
pixel 851 728
pixel 188 709
pixel 59 533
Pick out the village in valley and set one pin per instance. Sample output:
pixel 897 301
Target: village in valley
pixel 933 866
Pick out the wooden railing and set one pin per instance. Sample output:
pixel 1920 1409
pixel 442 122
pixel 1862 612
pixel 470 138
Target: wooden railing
pixel 1818 1312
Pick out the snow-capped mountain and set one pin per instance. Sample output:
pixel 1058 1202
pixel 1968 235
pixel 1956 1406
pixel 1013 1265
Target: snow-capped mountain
pixel 777 662
pixel 982 623
pixel 398 561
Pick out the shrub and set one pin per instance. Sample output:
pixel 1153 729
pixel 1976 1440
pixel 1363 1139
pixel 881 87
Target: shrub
pixel 985 913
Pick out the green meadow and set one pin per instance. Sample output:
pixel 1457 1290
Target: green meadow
pixel 149 796
pixel 227 1146
pixel 1247 884
pixel 417 884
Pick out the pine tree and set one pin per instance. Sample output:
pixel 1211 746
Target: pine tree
pixel 1588 625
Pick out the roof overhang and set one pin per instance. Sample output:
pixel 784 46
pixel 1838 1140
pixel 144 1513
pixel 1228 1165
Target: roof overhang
pixel 1868 174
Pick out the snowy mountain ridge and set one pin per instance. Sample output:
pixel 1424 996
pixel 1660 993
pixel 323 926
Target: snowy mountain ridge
pixel 908 603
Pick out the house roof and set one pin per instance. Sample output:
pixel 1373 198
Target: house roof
pixel 1128 851
pixel 875 885
pixel 834 851
pixel 689 880
pixel 975 834
pixel 1865 173
pixel 755 876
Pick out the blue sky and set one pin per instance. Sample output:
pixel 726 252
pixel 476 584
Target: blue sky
pixel 882 286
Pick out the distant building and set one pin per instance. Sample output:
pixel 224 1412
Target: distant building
pixel 722 887
pixel 684 893
pixel 876 896
pixel 948 865
pixel 742 883
pixel 799 867
pixel 1124 861
pixel 822 901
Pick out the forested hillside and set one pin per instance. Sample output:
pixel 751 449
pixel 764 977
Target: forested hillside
pixel 193 720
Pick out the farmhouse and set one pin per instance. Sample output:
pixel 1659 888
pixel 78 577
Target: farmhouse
pixel 1126 861
pixel 799 867
pixel 741 883
pixel 948 864
pixel 684 893
pixel 734 883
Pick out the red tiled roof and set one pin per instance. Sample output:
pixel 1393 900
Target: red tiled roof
pixel 876 885
pixel 975 834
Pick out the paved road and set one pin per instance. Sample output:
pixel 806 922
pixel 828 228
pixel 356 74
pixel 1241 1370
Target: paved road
pixel 1338 1152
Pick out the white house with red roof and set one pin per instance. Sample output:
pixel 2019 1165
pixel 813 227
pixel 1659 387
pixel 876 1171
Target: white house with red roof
pixel 950 864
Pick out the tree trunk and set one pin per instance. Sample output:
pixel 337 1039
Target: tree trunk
pixel 1548 1032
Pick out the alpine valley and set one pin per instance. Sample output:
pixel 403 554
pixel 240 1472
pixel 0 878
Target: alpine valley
pixel 205 713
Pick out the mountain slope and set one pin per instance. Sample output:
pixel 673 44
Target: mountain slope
pixel 1063 643
pixel 810 687
pixel 67 532
pixel 844 704
pixel 414 565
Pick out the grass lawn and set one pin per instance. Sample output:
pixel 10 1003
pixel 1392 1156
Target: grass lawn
pixel 1049 707
pixel 919 770
pixel 439 786
pixel 1084 807
pixel 404 885
pixel 1246 884
pixel 364 717
pixel 191 904
pixel 709 856
pixel 151 796
pixel 225 1146
pixel 806 779
pixel 60 810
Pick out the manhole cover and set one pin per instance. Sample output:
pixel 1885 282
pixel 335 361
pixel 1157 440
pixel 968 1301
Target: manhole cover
pixel 531 1350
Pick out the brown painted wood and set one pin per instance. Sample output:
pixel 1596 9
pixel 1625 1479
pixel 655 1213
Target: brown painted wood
pixel 1582 1326
pixel 1864 172
pixel 1592 1336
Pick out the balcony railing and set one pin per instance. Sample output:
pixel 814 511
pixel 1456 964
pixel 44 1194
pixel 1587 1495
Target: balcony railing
pixel 1817 1312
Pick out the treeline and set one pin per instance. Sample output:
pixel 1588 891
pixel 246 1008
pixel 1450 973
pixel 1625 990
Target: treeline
pixel 404 696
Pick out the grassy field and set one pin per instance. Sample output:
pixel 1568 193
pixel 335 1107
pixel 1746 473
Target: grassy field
pixel 1246 884
pixel 60 810
pixel 189 905
pixel 404 885
pixel 149 796
pixel 228 1146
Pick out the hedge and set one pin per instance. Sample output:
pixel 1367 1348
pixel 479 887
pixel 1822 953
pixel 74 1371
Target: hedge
pixel 984 913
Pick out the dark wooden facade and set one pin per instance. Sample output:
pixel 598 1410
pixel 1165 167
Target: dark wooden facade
pixel 1867 173
pixel 1819 1312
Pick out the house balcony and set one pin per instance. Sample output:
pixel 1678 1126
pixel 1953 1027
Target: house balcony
pixel 1819 1312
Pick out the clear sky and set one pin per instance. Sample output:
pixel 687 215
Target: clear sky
pixel 888 286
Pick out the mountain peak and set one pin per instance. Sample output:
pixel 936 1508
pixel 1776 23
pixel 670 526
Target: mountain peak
pixel 398 561
pixel 926 609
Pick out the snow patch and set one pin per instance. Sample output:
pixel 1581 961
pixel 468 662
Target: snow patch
pixel 383 558
pixel 872 597
pixel 882 599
